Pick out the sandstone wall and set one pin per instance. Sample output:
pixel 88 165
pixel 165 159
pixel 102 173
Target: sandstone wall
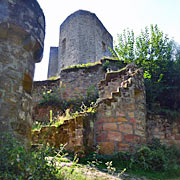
pixel 22 30
pixel 41 87
pixel 121 111
pixel 77 133
pixel 75 83
pixel 78 81
pixel 120 122
pixel 161 127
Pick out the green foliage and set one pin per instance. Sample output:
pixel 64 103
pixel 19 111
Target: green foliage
pixel 110 66
pixel 154 161
pixel 42 163
pixel 36 126
pixel 54 78
pixel 50 97
pixel 53 98
pixel 106 65
pixel 153 156
pixel 160 58
pixel 18 163
pixel 78 66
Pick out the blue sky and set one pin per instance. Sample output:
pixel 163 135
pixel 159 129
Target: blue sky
pixel 116 15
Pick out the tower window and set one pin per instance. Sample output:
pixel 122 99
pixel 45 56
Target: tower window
pixel 103 46
pixel 64 45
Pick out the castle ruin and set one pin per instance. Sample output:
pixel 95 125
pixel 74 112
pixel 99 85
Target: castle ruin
pixel 120 122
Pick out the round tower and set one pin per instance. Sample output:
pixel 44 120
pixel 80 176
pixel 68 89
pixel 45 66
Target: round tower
pixel 22 31
pixel 83 39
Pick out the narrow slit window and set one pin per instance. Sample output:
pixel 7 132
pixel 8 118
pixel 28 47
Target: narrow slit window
pixel 64 45
pixel 103 46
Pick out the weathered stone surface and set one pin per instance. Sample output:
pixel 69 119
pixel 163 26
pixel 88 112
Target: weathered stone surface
pixel 121 109
pixel 21 45
pixel 114 136
pixel 74 83
pixel 110 126
pixel 160 127
pixel 106 147
pixel 76 133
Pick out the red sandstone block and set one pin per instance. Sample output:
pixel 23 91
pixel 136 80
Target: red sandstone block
pixel 79 141
pixel 129 107
pixel 99 127
pixel 114 136
pixel 126 128
pixel 121 119
pixel 106 120
pixel 106 147
pixel 112 119
pixel 130 138
pixel 120 114
pixel 123 147
pixel 101 136
pixel 177 137
pixel 132 120
pixel 131 114
pixel 109 126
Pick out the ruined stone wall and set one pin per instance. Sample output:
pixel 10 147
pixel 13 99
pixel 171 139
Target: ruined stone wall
pixel 121 122
pixel 161 127
pixel 83 39
pixel 22 30
pixel 121 111
pixel 75 82
pixel 78 81
pixel 41 87
pixel 77 133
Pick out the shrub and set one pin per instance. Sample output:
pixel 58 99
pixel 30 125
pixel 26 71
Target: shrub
pixel 16 162
pixel 153 156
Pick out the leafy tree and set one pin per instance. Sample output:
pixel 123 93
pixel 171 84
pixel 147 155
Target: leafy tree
pixel 160 58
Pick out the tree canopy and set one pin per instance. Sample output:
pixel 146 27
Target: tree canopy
pixel 159 56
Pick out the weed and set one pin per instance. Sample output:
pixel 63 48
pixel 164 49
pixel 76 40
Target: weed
pixel 87 65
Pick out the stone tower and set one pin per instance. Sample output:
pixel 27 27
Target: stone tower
pixel 22 31
pixel 83 39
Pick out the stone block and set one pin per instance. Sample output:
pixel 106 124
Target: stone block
pixel 101 136
pixel 79 141
pixel 114 136
pixel 106 147
pixel 125 128
pixel 140 132
pixel 123 147
pixel 121 119
pixel 177 137
pixel 129 107
pixel 131 114
pixel 110 126
pixel 99 127
pixel 120 114
pixel 130 138
pixel 108 113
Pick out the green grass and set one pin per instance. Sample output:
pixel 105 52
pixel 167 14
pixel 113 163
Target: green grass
pixel 79 66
